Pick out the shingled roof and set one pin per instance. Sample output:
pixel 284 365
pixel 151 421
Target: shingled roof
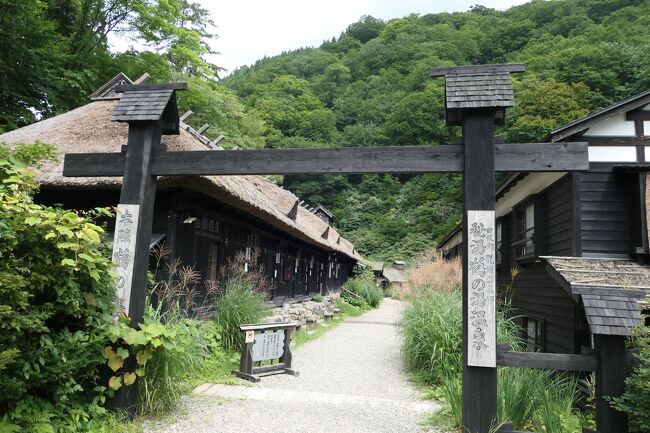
pixel 477 86
pixel 612 292
pixel 488 89
pixel 394 275
pixel 89 129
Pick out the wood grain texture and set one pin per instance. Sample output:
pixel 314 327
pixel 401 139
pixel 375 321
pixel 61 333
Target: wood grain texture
pixel 348 160
pixel 474 69
pixel 550 361
pixel 479 387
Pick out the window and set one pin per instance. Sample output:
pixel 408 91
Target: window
pixel 208 228
pixel 213 261
pixel 534 334
pixel 286 269
pixel 524 245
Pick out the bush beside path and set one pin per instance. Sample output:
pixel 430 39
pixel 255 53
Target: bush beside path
pixel 351 380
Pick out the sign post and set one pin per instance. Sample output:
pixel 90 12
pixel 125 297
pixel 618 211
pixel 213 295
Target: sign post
pixel 266 342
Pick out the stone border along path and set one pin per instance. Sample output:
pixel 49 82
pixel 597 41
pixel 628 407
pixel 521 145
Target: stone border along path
pixel 351 381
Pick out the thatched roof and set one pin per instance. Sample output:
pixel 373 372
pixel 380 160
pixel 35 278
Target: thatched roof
pixel 89 129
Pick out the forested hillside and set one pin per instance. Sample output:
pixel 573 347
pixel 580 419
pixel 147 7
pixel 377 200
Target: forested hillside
pixel 370 87
pixel 367 87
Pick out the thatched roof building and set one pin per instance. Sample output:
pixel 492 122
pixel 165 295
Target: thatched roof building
pixel 89 129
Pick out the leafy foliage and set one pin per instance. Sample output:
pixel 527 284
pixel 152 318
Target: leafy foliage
pixel 371 87
pixel 54 53
pixel 56 297
pixel 635 401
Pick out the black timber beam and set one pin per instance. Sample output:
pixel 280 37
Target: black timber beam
pixel 150 87
pixel 547 361
pixel 637 115
pixel 477 69
pixel 346 160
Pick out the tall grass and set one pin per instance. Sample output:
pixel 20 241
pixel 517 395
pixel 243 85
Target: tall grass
pixel 361 291
pixel 432 330
pixel 241 299
pixel 432 272
pixel 167 374
pixel 431 326
pixel 239 303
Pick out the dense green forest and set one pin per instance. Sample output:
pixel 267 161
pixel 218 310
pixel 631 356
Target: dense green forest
pixel 367 87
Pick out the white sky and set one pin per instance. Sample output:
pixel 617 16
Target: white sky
pixel 251 29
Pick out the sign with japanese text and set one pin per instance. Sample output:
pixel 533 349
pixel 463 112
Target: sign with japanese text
pixel 126 225
pixel 481 279
pixel 268 345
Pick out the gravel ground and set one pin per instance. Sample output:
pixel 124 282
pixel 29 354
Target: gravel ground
pixel 351 381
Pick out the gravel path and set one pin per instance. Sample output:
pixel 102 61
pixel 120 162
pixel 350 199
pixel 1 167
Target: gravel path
pixel 351 381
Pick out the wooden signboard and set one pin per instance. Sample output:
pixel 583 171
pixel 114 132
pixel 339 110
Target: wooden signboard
pixel 481 341
pixel 268 345
pixel 126 226
pixel 266 342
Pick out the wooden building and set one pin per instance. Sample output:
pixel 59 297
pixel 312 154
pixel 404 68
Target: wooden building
pixel 572 248
pixel 204 220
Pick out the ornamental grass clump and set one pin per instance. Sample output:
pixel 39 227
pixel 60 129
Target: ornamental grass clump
pixel 431 326
pixel 361 291
pixel 241 298
pixel 431 272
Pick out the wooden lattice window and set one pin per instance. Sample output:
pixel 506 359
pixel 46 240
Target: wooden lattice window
pixel 524 245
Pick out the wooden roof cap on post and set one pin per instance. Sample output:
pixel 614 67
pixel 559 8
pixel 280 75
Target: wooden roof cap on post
pixel 477 87
pixel 150 103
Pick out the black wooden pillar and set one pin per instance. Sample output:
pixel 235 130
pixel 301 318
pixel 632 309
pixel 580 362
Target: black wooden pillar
pixel 479 383
pixel 610 381
pixel 139 187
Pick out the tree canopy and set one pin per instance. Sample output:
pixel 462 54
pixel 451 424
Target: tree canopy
pixel 372 88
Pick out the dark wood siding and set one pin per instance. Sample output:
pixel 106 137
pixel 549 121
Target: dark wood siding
pixel 558 218
pixel 180 214
pixel 604 211
pixel 538 295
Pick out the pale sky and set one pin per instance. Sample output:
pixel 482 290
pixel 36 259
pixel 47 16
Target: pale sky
pixel 250 29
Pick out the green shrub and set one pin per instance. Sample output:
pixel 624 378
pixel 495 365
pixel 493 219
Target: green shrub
pixel 361 291
pixel 635 401
pixel 318 298
pixel 56 306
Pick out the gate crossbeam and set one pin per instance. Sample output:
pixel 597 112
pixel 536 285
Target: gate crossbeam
pixel 345 160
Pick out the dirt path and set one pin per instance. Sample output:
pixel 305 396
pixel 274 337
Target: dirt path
pixel 351 381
